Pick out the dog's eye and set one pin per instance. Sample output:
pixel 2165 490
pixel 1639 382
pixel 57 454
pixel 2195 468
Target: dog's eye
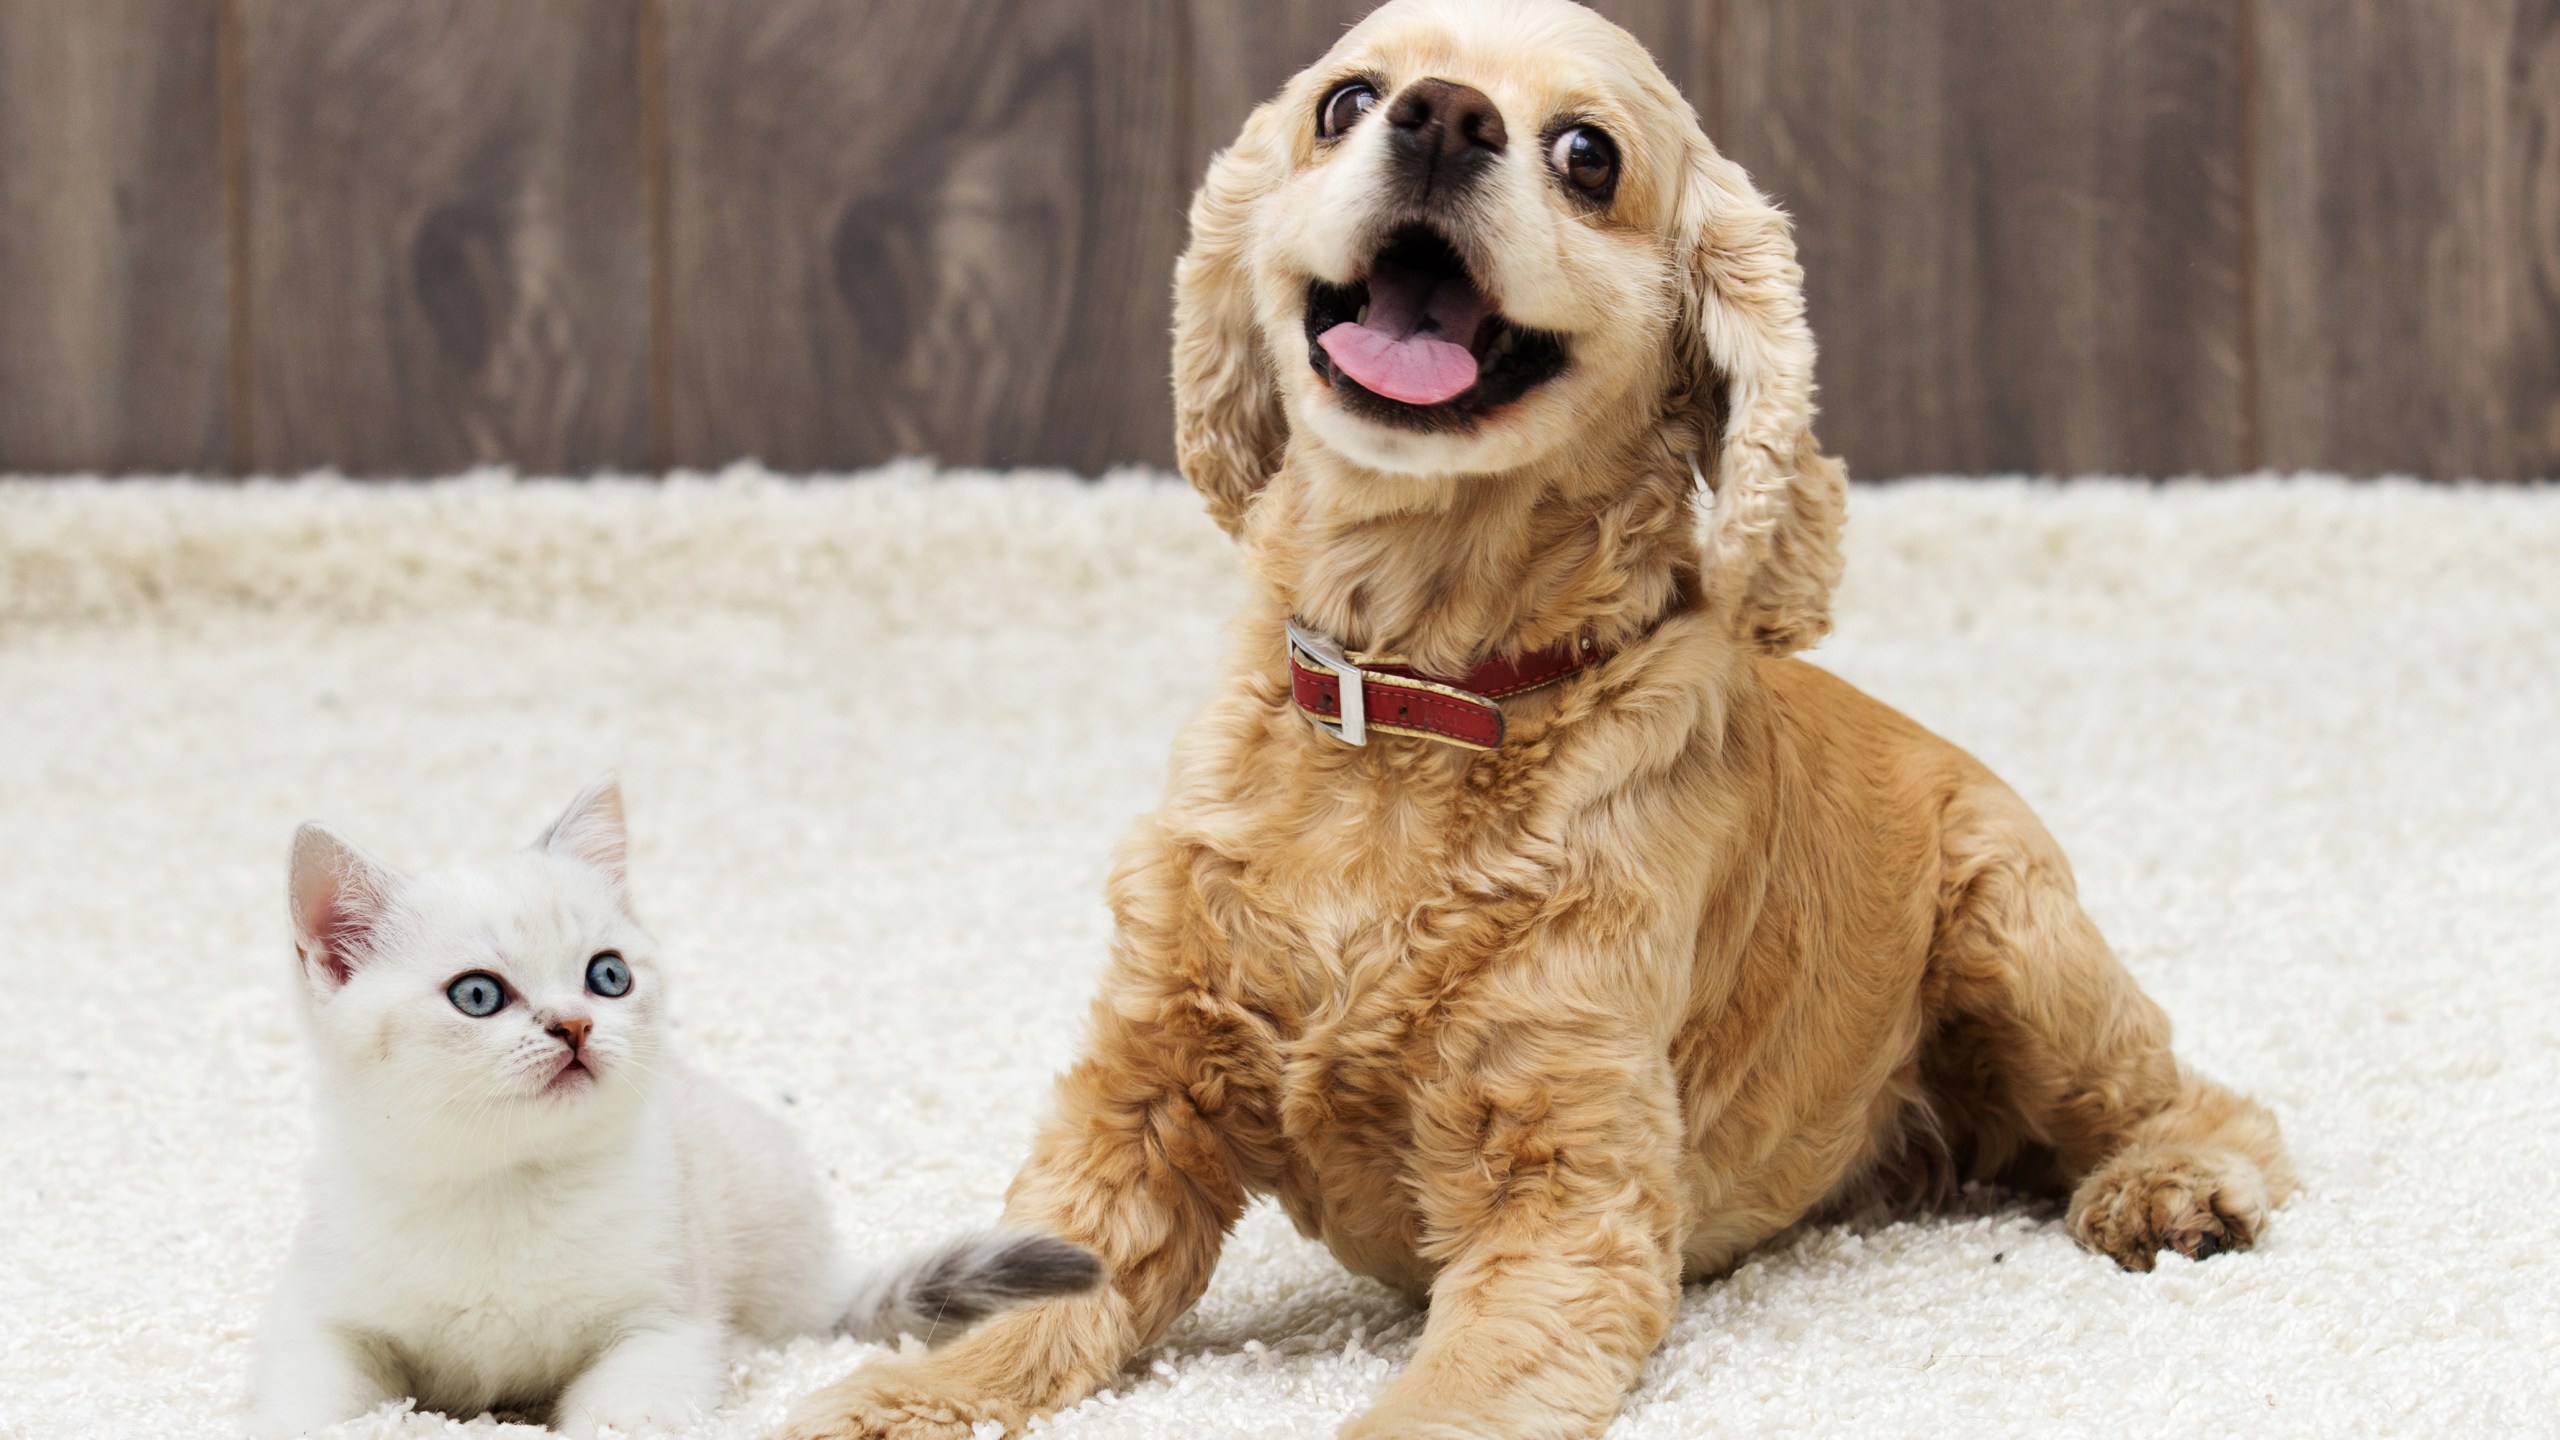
pixel 1588 160
pixel 1343 106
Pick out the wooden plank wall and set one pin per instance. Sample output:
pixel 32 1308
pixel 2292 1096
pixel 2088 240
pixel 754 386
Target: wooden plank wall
pixel 2025 222
pixel 447 241
pixel 889 237
pixel 406 236
pixel 113 323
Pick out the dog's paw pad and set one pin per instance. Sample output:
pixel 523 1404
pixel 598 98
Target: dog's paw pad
pixel 2194 1202
pixel 856 1410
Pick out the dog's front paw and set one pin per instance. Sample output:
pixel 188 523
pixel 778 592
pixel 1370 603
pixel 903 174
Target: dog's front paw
pixel 1389 1422
pixel 2198 1201
pixel 891 1399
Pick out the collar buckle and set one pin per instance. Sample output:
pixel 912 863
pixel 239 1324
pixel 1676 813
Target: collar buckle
pixel 1320 651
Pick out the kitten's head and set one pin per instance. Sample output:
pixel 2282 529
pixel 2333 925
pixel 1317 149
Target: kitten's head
pixel 497 1005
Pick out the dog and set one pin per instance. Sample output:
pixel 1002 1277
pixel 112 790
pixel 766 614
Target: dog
pixel 1518 913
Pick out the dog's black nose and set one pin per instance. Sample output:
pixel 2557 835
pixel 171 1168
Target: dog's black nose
pixel 1445 131
pixel 1442 118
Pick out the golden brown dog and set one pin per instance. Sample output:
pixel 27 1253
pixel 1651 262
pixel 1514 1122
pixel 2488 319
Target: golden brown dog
pixel 1710 942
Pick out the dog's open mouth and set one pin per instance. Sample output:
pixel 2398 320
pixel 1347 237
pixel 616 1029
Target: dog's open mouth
pixel 1417 343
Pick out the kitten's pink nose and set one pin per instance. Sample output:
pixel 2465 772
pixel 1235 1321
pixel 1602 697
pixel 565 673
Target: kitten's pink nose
pixel 573 1028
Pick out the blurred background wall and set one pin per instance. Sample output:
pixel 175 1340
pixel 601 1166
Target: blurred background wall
pixel 407 236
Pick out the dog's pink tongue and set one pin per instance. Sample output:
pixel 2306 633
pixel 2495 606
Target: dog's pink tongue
pixel 1413 345
pixel 1420 370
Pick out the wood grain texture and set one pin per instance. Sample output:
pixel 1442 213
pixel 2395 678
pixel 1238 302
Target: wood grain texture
pixel 112 311
pixel 447 248
pixel 2022 225
pixel 1682 36
pixel 907 230
pixel 1238 53
pixel 2156 236
pixel 2409 228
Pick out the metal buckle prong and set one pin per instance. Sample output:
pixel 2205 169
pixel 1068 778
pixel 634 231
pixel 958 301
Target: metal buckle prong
pixel 1353 727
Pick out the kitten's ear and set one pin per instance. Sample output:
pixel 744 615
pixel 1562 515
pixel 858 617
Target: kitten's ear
pixel 591 829
pixel 338 894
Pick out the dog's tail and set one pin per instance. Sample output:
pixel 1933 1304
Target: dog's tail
pixel 936 1294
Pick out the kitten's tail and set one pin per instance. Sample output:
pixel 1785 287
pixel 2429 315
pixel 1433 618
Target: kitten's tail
pixel 936 1295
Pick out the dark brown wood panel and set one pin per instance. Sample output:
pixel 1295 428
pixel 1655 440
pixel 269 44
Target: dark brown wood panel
pixel 1682 36
pixel 447 243
pixel 1240 52
pixel 112 310
pixel 405 236
pixel 944 230
pixel 2409 228
pixel 2021 224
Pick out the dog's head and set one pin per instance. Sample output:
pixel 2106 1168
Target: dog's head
pixel 1487 237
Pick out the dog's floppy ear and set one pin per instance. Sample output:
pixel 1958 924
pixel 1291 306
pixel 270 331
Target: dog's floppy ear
pixel 1773 550
pixel 1229 427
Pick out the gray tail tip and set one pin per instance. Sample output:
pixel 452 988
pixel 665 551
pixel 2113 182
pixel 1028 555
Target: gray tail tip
pixel 974 1278
pixel 1035 1266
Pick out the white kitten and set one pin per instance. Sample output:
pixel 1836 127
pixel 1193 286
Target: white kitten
pixel 519 1200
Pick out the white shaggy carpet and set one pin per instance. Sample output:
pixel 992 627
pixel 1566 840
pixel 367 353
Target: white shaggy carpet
pixel 2302 738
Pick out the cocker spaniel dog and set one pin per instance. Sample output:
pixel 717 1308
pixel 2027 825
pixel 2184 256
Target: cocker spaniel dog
pixel 1518 912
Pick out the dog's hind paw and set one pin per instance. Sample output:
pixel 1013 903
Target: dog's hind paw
pixel 2196 1200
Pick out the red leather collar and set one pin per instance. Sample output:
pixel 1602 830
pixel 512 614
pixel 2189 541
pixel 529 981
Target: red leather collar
pixel 1394 697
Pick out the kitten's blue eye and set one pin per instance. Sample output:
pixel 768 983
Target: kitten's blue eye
pixel 478 993
pixel 607 975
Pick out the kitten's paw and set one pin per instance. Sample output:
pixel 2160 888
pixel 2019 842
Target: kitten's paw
pixel 2198 1201
pixel 631 1420
pixel 887 1400
pixel 274 1425
pixel 586 1411
pixel 289 1420
pixel 652 1381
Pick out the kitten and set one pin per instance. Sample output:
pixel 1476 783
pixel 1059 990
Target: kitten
pixel 520 1201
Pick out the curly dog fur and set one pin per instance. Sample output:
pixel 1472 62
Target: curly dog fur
pixel 1713 943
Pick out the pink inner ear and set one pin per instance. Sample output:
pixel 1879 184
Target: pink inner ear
pixel 336 896
pixel 336 923
pixel 334 931
pixel 331 966
pixel 591 830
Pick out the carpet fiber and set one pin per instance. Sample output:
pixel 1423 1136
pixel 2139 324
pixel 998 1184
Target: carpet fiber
pixel 880 738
